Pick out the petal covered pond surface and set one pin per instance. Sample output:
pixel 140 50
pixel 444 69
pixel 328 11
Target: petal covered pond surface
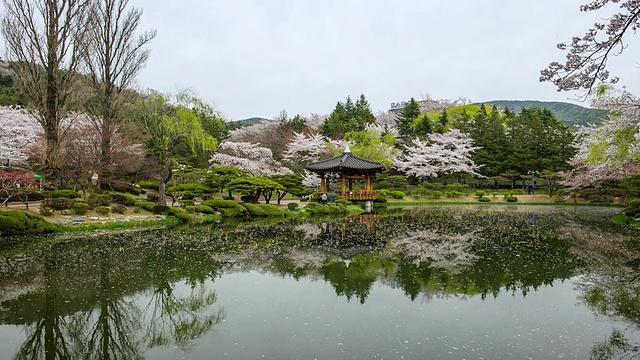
pixel 450 283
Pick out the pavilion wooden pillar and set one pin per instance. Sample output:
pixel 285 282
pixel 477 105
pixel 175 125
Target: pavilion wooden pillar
pixel 369 185
pixel 344 185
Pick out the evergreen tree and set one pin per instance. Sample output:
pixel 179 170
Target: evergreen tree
pixel 423 127
pixel 405 119
pixel 348 117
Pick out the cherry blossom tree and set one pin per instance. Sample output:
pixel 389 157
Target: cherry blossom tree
pixel 587 55
pixel 446 153
pixel 610 151
pixel 19 129
pixel 303 149
pixel 256 160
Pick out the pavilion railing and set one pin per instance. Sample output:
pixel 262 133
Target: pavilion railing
pixel 358 196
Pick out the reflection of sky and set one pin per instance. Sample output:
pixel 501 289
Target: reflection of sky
pixel 282 318
pixel 11 338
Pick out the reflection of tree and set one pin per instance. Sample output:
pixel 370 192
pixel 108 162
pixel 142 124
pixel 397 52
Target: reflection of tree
pixel 356 277
pixel 48 335
pixel 173 319
pixel 112 333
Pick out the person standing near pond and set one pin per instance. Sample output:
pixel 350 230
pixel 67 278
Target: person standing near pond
pixel 323 198
pixel 331 197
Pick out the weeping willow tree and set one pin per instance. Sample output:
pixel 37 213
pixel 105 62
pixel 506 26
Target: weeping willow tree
pixel 167 124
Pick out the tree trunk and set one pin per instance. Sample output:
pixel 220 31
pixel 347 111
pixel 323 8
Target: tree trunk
pixel 165 176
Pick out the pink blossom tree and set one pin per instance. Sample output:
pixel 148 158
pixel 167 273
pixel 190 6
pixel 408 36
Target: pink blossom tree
pixel 440 154
pixel 256 160
pixel 19 130
pixel 303 149
pixel 587 55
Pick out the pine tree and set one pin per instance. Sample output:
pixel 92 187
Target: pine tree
pixel 404 120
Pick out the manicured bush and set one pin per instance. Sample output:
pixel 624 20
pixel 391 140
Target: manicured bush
pixel 124 199
pixel 381 199
pixel 45 210
pixel 119 209
pixel 512 199
pixel 150 184
pixel 147 205
pixel 328 209
pixel 204 209
pixel 228 208
pixel 292 206
pixel 80 208
pixel 438 194
pixel 456 194
pixel 384 192
pixel 178 213
pixel 103 210
pixel 69 194
pixel 184 203
pixel 123 187
pixel 98 200
pixel 264 210
pixel 342 201
pixel 15 222
pixel 397 194
pixel 484 199
pixel 190 209
pixel 633 207
pixel 58 203
pixel 227 197
pixel 159 209
pixel 480 193
pixel 495 193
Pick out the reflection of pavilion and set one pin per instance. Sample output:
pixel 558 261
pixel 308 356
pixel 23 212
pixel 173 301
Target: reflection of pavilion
pixel 347 168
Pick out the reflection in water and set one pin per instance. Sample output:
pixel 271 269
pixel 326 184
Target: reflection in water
pixel 117 298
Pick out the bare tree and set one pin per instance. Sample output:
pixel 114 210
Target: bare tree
pixel 44 39
pixel 113 58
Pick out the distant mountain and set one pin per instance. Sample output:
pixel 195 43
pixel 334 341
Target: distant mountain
pixel 249 121
pixel 569 114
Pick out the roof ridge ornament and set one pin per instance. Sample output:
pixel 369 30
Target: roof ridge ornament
pixel 347 149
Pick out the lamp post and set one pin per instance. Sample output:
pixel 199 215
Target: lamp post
pixel 533 183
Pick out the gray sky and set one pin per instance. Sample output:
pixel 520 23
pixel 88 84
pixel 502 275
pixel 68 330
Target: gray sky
pixel 257 57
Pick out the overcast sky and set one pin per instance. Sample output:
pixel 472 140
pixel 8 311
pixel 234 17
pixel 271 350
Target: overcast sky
pixel 258 57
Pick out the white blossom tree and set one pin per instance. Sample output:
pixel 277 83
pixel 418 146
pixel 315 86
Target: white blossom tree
pixel 610 151
pixel 587 55
pixel 446 153
pixel 303 149
pixel 19 129
pixel 258 161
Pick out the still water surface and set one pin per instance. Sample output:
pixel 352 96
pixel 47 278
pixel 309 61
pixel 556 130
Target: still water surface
pixel 450 283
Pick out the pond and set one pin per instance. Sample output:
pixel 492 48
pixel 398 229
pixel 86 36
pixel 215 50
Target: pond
pixel 439 283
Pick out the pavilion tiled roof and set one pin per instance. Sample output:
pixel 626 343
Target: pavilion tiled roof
pixel 347 162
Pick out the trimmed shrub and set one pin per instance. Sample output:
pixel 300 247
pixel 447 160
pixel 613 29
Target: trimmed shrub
pixel 204 209
pixel 119 209
pixel 228 208
pixel 98 200
pixel 177 212
pixel 15 222
pixel 381 199
pixel 484 199
pixel 384 192
pixel 227 197
pixel 480 193
pixel 124 187
pixel 184 203
pixel 438 194
pixel 633 207
pixel 264 210
pixel 147 205
pixel 292 206
pixel 494 194
pixel 159 209
pixel 58 203
pixel 103 210
pixel 124 199
pixel 397 194
pixel 69 194
pixel 150 184
pixel 512 199
pixel 456 194
pixel 190 209
pixel 45 210
pixel 342 201
pixel 329 209
pixel 80 208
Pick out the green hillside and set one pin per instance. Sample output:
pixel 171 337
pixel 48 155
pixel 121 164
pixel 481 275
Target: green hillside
pixel 569 114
